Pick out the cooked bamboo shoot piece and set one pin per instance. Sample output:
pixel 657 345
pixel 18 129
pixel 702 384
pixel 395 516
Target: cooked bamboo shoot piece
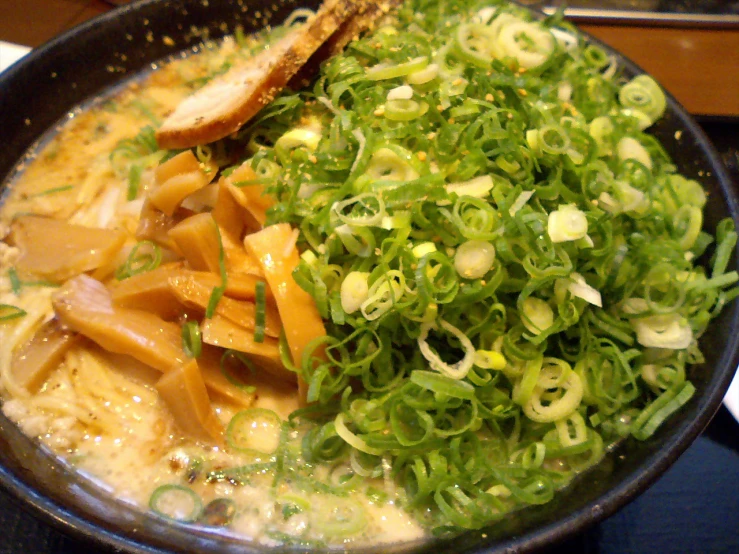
pixel 248 193
pixel 197 239
pixel 184 162
pixel 150 291
pixel 154 225
pixel 178 178
pixel 225 378
pixel 274 247
pixel 183 391
pixel 56 250
pixel 219 331
pixel 193 293
pixel 86 306
pixel 238 286
pixel 232 218
pixel 238 259
pixel 244 385
pixel 34 361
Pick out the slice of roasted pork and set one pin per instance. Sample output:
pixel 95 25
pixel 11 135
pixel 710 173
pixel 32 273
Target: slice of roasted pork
pixel 228 101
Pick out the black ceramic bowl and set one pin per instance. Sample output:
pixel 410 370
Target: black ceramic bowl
pixel 37 93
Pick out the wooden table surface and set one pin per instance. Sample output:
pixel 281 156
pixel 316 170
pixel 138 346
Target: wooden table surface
pixel 698 66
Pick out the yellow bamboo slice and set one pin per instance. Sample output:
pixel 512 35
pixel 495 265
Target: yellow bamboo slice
pixel 250 195
pixel 196 238
pixel 219 331
pixel 86 306
pixel 178 178
pixel 150 291
pixel 191 292
pixel 274 247
pixel 32 364
pixel 183 391
pixel 57 250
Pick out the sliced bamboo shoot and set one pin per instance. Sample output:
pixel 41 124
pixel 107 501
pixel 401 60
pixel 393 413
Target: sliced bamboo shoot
pixel 154 225
pixel 231 217
pixel 86 306
pixel 249 194
pixel 238 259
pixel 239 392
pixel 184 162
pixel 197 239
pixel 274 247
pixel 34 361
pixel 183 391
pixel 57 250
pixel 193 293
pixel 150 291
pixel 219 331
pixel 245 387
pixel 238 286
pixel 178 178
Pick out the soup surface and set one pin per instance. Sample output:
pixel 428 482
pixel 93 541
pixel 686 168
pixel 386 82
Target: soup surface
pixel 426 289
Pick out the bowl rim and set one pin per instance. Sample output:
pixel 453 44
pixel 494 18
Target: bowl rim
pixel 652 467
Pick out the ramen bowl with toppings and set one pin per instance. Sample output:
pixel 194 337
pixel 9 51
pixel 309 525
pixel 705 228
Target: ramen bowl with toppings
pixel 445 287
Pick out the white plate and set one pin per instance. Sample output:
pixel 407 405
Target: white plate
pixel 731 400
pixel 10 53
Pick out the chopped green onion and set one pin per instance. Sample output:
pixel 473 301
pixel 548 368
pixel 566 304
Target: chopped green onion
pixel 567 223
pixel 457 370
pixel 53 190
pixel 261 311
pixel 354 291
pixel 144 256
pixel 474 259
pixel 191 341
pixel 9 312
pixel 233 379
pixel 256 430
pixel 660 409
pixel 176 502
pixel 134 181
pixel 537 315
pixel 219 291
pixel 385 71
pixel 405 110
pixel 346 517
pixel 629 148
pixel 441 384
pixel 644 94
pixel 15 282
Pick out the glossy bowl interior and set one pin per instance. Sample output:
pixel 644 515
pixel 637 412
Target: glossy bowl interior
pixel 37 93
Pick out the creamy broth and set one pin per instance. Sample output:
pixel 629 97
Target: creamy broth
pixel 471 206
